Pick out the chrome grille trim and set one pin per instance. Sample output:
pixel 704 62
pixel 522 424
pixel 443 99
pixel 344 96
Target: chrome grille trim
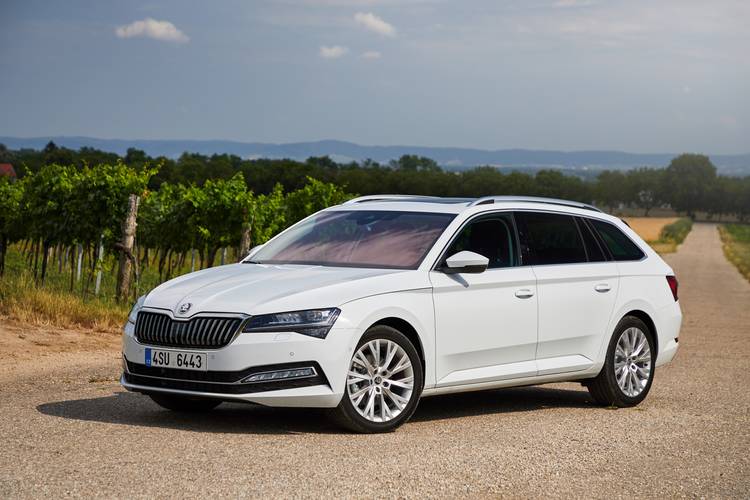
pixel 201 332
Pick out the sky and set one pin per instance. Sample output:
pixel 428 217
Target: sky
pixel 637 75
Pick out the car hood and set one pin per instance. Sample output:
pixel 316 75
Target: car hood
pixel 261 288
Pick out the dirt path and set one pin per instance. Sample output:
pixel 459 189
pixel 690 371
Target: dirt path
pixel 68 429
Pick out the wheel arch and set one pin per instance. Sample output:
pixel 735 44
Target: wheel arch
pixel 643 316
pixel 409 331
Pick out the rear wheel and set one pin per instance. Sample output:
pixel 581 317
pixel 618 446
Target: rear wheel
pixel 628 370
pixel 383 383
pixel 184 403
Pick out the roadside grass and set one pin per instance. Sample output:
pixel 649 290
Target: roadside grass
pixel 663 234
pixel 22 301
pixel 736 243
pixel 54 304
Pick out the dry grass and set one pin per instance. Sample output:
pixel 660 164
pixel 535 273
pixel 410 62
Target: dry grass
pixel 736 243
pixel 649 228
pixel 21 301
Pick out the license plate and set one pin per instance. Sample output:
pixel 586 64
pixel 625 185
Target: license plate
pixel 175 359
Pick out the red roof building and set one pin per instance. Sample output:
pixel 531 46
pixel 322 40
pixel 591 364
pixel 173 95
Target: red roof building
pixel 6 169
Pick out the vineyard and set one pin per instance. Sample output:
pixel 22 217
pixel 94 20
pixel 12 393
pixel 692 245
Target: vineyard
pixel 65 229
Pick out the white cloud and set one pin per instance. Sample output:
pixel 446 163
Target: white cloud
pixel 372 54
pixel 151 28
pixel 332 52
pixel 374 23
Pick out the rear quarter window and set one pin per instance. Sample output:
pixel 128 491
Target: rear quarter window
pixel 620 246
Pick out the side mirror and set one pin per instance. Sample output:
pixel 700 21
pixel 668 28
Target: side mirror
pixel 465 262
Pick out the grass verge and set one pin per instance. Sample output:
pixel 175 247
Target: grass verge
pixel 672 235
pixel 22 301
pixel 736 243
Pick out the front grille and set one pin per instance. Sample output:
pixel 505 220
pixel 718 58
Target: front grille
pixel 202 332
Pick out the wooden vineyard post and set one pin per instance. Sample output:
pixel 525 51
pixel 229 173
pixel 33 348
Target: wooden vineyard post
pixel 78 264
pixel 245 239
pixel 99 259
pixel 126 248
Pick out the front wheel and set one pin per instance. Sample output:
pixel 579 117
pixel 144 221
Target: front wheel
pixel 183 403
pixel 383 383
pixel 628 370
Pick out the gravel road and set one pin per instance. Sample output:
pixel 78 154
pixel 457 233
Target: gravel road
pixel 68 429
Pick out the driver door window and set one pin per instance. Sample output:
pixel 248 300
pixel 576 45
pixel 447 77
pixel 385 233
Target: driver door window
pixel 491 237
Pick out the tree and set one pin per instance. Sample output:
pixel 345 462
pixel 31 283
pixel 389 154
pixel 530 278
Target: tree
pixel 415 163
pixel 644 188
pixel 686 182
pixel 610 188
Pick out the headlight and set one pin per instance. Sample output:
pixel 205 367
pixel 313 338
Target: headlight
pixel 313 322
pixel 137 307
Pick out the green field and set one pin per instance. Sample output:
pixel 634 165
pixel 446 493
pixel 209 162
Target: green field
pixel 736 238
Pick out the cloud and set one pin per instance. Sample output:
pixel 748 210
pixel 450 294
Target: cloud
pixel 372 54
pixel 151 28
pixel 332 52
pixel 374 23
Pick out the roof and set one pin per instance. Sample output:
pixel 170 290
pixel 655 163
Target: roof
pixel 7 170
pixel 458 205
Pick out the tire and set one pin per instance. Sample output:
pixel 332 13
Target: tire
pixel 389 388
pixel 605 388
pixel 184 403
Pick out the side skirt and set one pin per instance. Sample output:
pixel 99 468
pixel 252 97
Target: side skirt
pixel 516 382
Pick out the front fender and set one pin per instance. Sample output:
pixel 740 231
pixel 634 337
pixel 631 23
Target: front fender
pixel 413 306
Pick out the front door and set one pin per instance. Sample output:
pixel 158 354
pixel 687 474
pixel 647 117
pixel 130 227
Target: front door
pixel 486 323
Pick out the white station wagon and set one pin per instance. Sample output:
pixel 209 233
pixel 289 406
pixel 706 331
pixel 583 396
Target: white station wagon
pixel 368 306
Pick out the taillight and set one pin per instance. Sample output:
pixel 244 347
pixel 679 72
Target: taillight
pixel 673 286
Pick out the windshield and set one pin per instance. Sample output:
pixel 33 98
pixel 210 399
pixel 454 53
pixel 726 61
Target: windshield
pixel 358 238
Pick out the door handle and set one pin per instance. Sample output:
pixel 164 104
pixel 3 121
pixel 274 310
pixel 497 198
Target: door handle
pixel 524 293
pixel 602 288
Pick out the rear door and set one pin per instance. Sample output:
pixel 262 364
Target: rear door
pixel 577 286
pixel 486 324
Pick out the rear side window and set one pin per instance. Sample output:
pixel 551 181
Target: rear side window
pixel 620 246
pixel 550 238
pixel 593 249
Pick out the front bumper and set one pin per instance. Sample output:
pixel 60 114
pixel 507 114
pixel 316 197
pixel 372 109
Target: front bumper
pixel 251 353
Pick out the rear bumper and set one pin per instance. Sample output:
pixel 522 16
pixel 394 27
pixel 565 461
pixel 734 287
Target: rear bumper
pixel 668 322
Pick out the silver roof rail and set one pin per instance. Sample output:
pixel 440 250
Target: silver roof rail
pixel 486 200
pixel 406 197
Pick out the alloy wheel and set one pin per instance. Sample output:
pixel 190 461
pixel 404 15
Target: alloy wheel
pixel 380 381
pixel 632 362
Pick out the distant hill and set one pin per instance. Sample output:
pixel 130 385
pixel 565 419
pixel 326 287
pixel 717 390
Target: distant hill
pixel 448 157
